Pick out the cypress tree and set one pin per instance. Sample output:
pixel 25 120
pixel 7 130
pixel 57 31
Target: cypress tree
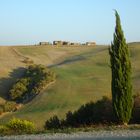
pixel 121 75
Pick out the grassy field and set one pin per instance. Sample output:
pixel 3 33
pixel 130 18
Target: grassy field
pixel 83 75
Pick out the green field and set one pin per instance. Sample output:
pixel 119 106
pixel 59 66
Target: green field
pixel 83 75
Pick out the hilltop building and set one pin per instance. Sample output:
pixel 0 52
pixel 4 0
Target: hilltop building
pixel 66 43
pixel 44 43
pixel 61 43
pixel 75 44
pixel 90 43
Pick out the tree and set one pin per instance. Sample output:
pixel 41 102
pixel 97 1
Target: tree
pixel 121 75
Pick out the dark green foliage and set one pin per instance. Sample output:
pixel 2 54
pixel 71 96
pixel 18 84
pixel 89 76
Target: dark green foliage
pixel 121 76
pixel 136 110
pixel 53 123
pixel 35 78
pixel 19 89
pixel 91 113
pixel 40 76
pixel 1 109
pixel 88 114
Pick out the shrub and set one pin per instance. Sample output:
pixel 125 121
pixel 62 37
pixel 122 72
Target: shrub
pixel 136 110
pixel 1 109
pixel 19 89
pixel 35 78
pixel 21 126
pixel 88 114
pixel 53 123
pixel 91 113
pixel 4 130
pixel 9 106
pixel 103 111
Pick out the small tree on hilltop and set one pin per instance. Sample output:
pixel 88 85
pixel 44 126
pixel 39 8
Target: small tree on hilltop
pixel 121 75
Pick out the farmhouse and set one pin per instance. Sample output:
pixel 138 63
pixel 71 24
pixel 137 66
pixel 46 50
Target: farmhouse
pixel 66 43
pixel 90 43
pixel 75 44
pixel 61 43
pixel 57 42
pixel 44 43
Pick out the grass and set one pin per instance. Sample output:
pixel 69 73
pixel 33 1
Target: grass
pixel 83 74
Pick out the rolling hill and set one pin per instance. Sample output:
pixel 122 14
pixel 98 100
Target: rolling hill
pixel 83 75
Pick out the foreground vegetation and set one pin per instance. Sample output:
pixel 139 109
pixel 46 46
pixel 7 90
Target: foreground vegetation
pixel 16 127
pixel 92 116
pixel 93 113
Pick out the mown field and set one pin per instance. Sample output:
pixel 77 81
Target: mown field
pixel 83 75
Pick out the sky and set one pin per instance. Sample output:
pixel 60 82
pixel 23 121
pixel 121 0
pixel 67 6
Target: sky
pixel 31 21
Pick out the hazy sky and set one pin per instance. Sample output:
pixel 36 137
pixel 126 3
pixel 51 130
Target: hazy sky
pixel 31 21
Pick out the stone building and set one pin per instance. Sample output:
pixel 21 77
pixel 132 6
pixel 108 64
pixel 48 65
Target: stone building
pixel 90 43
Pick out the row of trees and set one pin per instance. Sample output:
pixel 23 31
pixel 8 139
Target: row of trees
pixel 35 78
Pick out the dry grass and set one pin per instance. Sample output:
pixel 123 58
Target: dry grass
pixel 83 74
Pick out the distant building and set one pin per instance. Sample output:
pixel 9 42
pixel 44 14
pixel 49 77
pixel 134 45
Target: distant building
pixel 75 44
pixel 61 43
pixel 90 43
pixel 66 43
pixel 44 43
pixel 57 42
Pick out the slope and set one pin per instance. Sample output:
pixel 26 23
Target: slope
pixel 83 74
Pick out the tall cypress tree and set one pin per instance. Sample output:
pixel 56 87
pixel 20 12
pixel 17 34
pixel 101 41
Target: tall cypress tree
pixel 121 75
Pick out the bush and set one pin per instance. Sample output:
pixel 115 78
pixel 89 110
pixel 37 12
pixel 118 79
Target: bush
pixel 9 106
pixel 4 130
pixel 53 123
pixel 21 126
pixel 103 111
pixel 19 89
pixel 91 113
pixel 1 109
pixel 36 77
pixel 100 112
pixel 88 114
pixel 136 110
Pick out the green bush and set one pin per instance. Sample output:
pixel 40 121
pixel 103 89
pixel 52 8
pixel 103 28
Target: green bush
pixel 136 110
pixel 19 89
pixel 53 123
pixel 21 126
pixel 4 130
pixel 88 114
pixel 9 106
pixel 36 77
pixel 99 112
pixel 91 113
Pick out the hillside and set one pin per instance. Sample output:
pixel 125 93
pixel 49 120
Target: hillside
pixel 83 74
